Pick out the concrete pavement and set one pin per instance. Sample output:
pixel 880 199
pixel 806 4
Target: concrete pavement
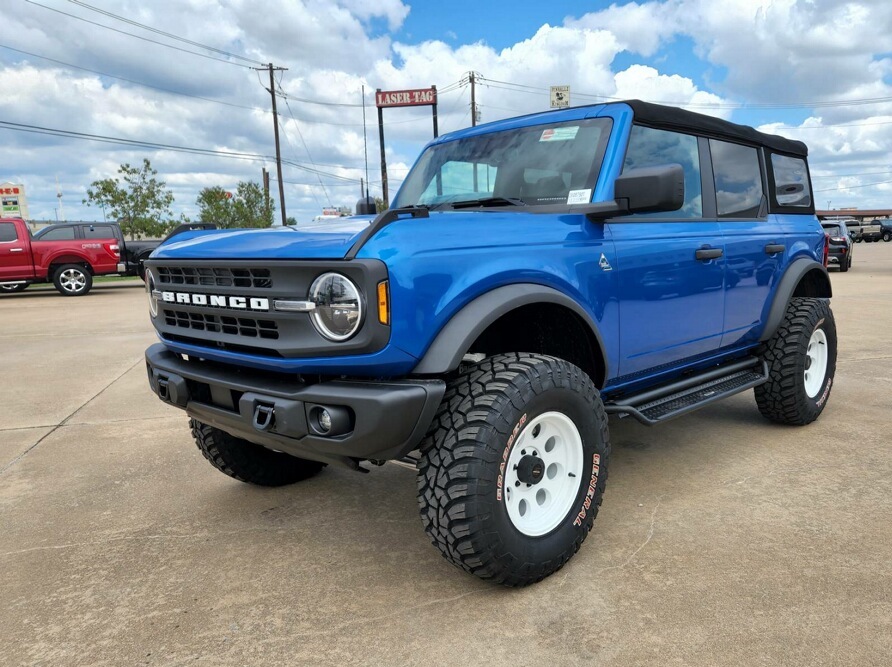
pixel 723 539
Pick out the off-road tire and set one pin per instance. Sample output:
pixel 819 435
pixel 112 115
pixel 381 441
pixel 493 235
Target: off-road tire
pixel 783 399
pixel 247 462
pixel 844 265
pixel 459 476
pixel 64 280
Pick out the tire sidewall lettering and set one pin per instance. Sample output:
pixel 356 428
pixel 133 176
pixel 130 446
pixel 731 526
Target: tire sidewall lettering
pixel 500 480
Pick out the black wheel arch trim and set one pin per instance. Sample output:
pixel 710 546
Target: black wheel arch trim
pixel 794 274
pixel 454 339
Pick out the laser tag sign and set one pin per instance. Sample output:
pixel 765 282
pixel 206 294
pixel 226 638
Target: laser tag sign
pixel 406 98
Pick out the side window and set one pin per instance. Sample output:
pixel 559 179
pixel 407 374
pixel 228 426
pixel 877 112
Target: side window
pixel 98 232
pixel 791 186
pixel 650 148
pixel 8 232
pixel 58 234
pixel 738 179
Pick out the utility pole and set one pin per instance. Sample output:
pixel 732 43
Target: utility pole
pixel 272 91
pixel 473 100
pixel 383 158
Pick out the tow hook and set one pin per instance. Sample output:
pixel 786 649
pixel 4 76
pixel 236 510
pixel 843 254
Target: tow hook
pixel 163 388
pixel 264 417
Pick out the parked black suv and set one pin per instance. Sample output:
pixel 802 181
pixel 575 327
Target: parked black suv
pixel 840 244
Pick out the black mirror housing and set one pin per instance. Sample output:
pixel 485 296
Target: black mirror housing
pixel 651 189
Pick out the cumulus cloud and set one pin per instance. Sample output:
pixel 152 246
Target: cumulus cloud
pixel 823 51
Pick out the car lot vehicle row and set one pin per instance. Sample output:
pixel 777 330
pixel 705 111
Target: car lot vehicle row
pixel 133 253
pixel 69 264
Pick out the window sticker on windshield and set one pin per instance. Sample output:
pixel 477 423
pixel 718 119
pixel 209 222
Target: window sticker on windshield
pixel 559 133
pixel 579 196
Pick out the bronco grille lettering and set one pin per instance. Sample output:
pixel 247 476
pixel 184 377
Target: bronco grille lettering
pixel 216 300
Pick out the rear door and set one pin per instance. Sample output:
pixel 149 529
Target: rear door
pixel 755 244
pixel 670 265
pixel 15 260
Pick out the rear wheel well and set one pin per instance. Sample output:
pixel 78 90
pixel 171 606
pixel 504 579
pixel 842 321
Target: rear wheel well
pixel 62 261
pixel 814 284
pixel 544 328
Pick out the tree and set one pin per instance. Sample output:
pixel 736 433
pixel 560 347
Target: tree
pixel 379 205
pixel 248 208
pixel 136 199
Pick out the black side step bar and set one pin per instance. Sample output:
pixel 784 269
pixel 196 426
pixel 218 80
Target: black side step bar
pixel 683 396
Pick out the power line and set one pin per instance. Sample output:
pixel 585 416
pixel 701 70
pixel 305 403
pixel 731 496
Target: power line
pixel 306 148
pixel 136 143
pixel 165 34
pixel 523 88
pixel 145 39
pixel 133 81
pixel 852 187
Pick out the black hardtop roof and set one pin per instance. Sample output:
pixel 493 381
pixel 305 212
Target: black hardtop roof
pixel 674 118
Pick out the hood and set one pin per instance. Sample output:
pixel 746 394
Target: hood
pixel 327 240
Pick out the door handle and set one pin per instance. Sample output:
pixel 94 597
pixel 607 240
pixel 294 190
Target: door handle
pixel 705 254
pixel 774 248
pixel 16 250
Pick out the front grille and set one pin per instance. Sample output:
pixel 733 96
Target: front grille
pixel 230 305
pixel 215 276
pixel 236 326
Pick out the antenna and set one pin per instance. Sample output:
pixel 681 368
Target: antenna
pixel 59 195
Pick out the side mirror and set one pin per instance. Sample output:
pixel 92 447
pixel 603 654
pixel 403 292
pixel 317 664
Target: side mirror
pixel 651 189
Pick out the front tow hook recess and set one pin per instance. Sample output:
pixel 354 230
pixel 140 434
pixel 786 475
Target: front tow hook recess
pixel 264 417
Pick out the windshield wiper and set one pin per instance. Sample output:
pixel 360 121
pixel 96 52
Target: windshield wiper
pixel 488 201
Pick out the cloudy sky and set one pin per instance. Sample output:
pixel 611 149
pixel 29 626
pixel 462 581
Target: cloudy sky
pixel 816 70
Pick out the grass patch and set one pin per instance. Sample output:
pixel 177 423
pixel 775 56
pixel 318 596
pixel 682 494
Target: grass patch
pixel 114 279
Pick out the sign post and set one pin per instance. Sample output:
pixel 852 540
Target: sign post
pixel 560 97
pixel 416 97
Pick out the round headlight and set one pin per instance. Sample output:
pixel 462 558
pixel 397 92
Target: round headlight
pixel 150 287
pixel 338 311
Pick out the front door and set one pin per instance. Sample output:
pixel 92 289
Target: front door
pixel 670 265
pixel 15 260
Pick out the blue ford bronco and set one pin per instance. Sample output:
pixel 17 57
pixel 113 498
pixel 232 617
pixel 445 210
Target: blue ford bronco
pixel 533 276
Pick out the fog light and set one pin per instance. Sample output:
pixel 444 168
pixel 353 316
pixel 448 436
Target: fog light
pixel 329 421
pixel 324 420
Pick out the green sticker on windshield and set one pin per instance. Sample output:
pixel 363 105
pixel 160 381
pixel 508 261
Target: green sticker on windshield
pixel 559 133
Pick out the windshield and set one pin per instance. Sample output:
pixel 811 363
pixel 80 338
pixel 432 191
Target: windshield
pixel 540 165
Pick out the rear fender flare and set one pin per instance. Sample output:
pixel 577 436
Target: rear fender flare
pixel 787 286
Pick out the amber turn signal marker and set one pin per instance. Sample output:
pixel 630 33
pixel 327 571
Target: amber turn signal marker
pixel 383 303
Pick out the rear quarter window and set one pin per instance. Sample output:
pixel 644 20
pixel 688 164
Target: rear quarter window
pixel 99 232
pixel 790 184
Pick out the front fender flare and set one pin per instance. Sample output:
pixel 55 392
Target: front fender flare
pixel 451 344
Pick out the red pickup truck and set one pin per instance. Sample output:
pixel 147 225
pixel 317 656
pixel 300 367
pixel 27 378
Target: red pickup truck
pixel 70 265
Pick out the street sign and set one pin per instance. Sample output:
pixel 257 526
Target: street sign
pixel 560 97
pixel 418 97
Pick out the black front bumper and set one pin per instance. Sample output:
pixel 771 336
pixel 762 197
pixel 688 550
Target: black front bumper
pixel 379 420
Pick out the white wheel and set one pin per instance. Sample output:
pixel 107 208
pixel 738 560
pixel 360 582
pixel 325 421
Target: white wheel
pixel 816 363
pixel 543 474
